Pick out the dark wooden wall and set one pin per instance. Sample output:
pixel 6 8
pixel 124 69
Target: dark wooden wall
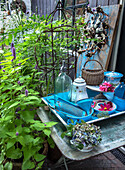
pixel 94 3
pixel 47 6
pixel 43 6
pixel 120 65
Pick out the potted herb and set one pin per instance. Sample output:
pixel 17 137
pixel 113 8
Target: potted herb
pixel 83 136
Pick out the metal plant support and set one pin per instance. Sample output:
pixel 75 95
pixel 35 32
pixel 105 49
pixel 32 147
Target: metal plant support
pixel 75 6
pixel 58 30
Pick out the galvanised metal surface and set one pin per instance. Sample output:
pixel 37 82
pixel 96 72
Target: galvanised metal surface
pixel 113 130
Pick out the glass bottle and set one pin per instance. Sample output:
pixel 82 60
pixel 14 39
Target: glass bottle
pixel 63 84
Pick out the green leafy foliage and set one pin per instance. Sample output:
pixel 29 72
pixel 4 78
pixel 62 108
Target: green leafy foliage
pixel 22 134
pixel 28 165
pixel 8 166
pixel 24 80
pixel 14 153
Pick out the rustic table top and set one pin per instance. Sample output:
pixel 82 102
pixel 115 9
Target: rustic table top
pixel 113 130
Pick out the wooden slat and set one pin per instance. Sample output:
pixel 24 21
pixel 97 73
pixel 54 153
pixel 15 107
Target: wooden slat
pixel 114 56
pixel 33 6
pixel 112 2
pixel 53 5
pixel 45 7
pixel 38 7
pixel 103 2
pixel 48 6
pixel 92 3
pixel 42 8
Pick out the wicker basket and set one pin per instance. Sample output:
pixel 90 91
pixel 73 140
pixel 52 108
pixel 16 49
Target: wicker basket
pixel 93 77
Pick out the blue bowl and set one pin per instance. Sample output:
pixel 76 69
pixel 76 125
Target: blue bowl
pixel 102 101
pixel 112 77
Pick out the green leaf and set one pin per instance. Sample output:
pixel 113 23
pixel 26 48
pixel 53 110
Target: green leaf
pixel 36 140
pixel 26 129
pixel 38 126
pixel 8 118
pixel 71 121
pixel 63 134
pixel 28 139
pixel 50 124
pixel 28 103
pixel 3 134
pixel 19 88
pixel 33 98
pixel 9 53
pixel 14 104
pixel 8 166
pixel 51 142
pixel 11 134
pixel 21 140
pixel 38 73
pixel 40 164
pixel 82 121
pixel 1 167
pixel 47 132
pixel 27 116
pixel 14 153
pixel 11 143
pixel 20 27
pixel 69 134
pixel 1 159
pixel 29 151
pixel 39 157
pixel 28 165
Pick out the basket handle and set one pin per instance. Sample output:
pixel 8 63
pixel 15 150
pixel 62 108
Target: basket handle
pixel 93 60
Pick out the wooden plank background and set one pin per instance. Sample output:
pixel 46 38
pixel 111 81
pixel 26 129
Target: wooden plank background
pixel 44 6
pixel 47 6
pixel 94 3
pixel 105 53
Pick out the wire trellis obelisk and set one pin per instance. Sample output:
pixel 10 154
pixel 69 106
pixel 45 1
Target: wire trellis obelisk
pixel 59 31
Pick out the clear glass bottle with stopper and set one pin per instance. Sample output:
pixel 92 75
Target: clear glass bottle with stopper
pixel 63 84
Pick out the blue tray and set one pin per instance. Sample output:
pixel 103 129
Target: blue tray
pixel 67 118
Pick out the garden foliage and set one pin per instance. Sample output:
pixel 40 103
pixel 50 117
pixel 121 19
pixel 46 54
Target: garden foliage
pixel 26 76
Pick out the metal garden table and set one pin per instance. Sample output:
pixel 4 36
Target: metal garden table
pixel 113 135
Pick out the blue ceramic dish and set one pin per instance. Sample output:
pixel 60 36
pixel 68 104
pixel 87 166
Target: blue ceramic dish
pixel 112 77
pixel 102 101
